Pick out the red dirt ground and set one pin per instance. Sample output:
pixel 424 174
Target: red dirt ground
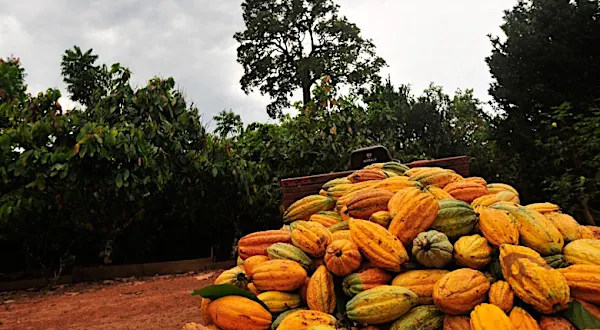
pixel 162 302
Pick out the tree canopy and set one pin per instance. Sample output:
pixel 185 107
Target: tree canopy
pixel 290 44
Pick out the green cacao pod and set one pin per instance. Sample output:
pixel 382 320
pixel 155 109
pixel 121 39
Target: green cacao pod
pixel 455 218
pixel 432 249
pixel 420 318
pixel 289 252
pixel 381 304
pixel 338 226
pixel 557 261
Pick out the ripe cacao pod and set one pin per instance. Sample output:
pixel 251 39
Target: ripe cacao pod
pixel 335 182
pixel 320 295
pixel 326 218
pixel 459 291
pixel 381 218
pixel 279 301
pixel 394 184
pixel 420 282
pixel 438 193
pixel 521 320
pixel 595 230
pixel 584 282
pixel 239 313
pixel 568 227
pixel 258 242
pixel 555 323
pixel 478 180
pixel 412 212
pixel 338 226
pixel 304 319
pixel 432 249
pixel 378 245
pixel 283 315
pixel 495 188
pixel 497 227
pixel 289 252
pixel 583 252
pixel 489 317
pixel 364 280
pixel 501 295
pixel 311 237
pixel 365 203
pixel 484 201
pixel 472 251
pixel 543 208
pixel 435 177
pixel 254 261
pixel 420 317
pixel 508 196
pixel 234 276
pixel 342 257
pixel 465 190
pixel 381 304
pixel 452 322
pixel 367 175
pixel 340 234
pixel 278 275
pixel 303 208
pixel 252 288
pixel 454 218
pixel 532 280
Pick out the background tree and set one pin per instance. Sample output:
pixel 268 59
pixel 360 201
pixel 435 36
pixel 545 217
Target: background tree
pixel 290 44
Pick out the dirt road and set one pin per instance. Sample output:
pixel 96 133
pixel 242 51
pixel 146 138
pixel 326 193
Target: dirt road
pixel 162 302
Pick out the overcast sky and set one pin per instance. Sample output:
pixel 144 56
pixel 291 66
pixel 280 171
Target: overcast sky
pixel 423 41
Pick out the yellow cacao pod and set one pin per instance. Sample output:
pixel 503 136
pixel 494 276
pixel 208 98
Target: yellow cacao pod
pixel 459 291
pixel 279 275
pixel 502 295
pixel 381 304
pixel 279 301
pixel 304 319
pixel 320 295
pixel 378 245
pixel 420 282
pixel 489 317
pixel 521 320
pixel 311 237
pixel 472 251
pixel 583 252
pixel 584 282
pixel 413 211
pixel 497 227
pixel 239 313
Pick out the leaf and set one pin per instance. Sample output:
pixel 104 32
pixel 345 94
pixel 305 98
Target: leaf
pixel 215 171
pixel 217 291
pixel 583 318
pixel 119 180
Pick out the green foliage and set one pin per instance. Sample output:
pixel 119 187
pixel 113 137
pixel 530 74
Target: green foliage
pixel 291 44
pixel 216 291
pixel 581 317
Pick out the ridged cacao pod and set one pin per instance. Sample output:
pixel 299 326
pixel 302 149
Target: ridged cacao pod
pixel 352 191
pixel 495 188
pixel 501 295
pixel 555 323
pixel 254 261
pixel 584 282
pixel 459 291
pixel 412 212
pixel 280 301
pixel 326 218
pixel 337 191
pixel 543 208
pixel 338 226
pixel 420 282
pixel 472 251
pixel 394 184
pixel 239 313
pixel 454 218
pixel 466 191
pixel 366 279
pixel 395 167
pixel 497 227
pixel 258 242
pixel 557 261
pixel 420 317
pixel 568 227
pixel 234 276
pixel 206 320
pixel 508 196
pixel 311 237
pixel 303 208
pixel 289 252
pixel 521 320
pixel 278 275
pixel 304 319
pixel 365 203
pixel 367 175
pixel 335 182
pixel 283 315
pixel 378 245
pixel 435 177
pixel 536 231
pixel 382 218
pixel 322 327
pixel 489 317
pixel 320 295
pixel 532 280
pixel 432 249
pixel 478 180
pixel 583 252
pixel 342 257
pixel 340 234
pixel 595 230
pixel 452 322
pixel 484 202
pixel 252 288
pixel 438 193
pixel 381 304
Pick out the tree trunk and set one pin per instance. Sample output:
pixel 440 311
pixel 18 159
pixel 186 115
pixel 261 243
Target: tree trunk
pixel 305 90
pixel 589 218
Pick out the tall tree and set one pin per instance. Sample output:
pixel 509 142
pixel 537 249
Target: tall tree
pixel 290 44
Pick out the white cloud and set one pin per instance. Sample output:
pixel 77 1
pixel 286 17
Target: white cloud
pixel 422 41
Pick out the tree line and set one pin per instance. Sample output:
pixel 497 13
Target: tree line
pixel 135 176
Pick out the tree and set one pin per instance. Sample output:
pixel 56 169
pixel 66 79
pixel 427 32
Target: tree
pixel 290 44
pixel 551 55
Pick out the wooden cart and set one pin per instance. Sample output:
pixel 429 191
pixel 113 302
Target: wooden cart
pixel 296 188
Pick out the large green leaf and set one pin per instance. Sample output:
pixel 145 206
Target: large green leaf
pixel 581 316
pixel 217 291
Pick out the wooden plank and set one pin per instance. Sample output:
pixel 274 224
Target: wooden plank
pixel 33 283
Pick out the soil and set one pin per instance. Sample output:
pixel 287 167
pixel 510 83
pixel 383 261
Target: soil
pixel 160 302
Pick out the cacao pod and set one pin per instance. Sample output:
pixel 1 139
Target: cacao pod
pixel 595 230
pixel 258 242
pixel 583 252
pixel 303 208
pixel 289 252
pixel 532 280
pixel 394 184
pixel 478 180
pixel 584 282
pixel 381 304
pixel 501 295
pixel 465 190
pixel 340 234
pixel 319 294
pixel 254 261
pixel 454 218
pixel 521 320
pixel 438 193
pixel 335 182
pixel 508 196
pixel 497 227
pixel 364 280
pixel 304 319
pixel 278 275
pixel 338 226
pixel 367 175
pixel 543 208
pixel 489 317
pixel 472 251
pixel 252 288
pixel 206 320
pixel 459 291
pixel 342 257
pixel 555 323
pixel 420 282
pixel 414 212
pixel 239 313
pixel 311 237
pixel 557 261
pixel 568 227
pixel 283 315
pixel 365 203
pixel 381 218
pixel 420 317
pixel 432 249
pixel 234 276
pixel 495 188
pixel 279 301
pixel 435 177
pixel 452 322
pixel 326 218
pixel 378 245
